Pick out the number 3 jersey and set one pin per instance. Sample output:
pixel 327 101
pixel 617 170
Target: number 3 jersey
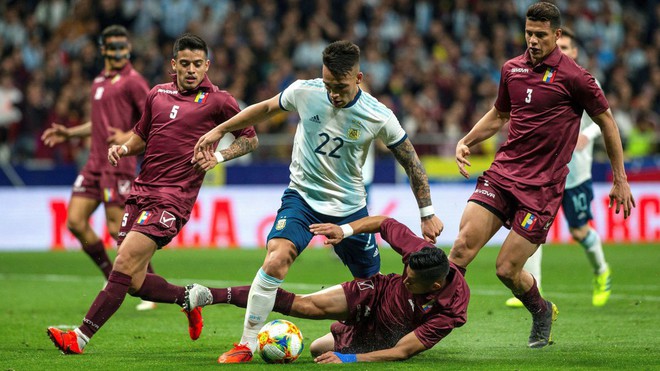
pixel 331 145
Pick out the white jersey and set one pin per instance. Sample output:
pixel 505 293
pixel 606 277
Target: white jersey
pixel 580 165
pixel 331 145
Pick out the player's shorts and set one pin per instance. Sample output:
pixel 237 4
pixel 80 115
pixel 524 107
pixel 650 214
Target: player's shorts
pixel 358 252
pixel 577 204
pixel 528 210
pixel 157 218
pixel 108 188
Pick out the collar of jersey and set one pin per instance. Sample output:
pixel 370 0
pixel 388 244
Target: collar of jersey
pixel 123 71
pixel 204 85
pixel 551 60
pixel 351 103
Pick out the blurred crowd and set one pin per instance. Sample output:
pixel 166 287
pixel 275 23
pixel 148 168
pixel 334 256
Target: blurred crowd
pixel 436 64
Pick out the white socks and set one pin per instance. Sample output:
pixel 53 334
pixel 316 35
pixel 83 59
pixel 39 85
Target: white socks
pixel 261 300
pixel 82 338
pixel 593 247
pixel 533 265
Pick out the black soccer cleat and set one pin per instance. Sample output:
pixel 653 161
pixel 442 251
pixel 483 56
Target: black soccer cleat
pixel 541 334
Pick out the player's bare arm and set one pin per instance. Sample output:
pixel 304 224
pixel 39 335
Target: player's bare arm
pixel 406 156
pixel 57 133
pixel 252 115
pixel 620 194
pixel 239 147
pixel 486 127
pixel 334 233
pixel 407 347
pixel 134 146
pixel 118 136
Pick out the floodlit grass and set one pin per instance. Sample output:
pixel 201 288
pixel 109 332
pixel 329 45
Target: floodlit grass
pixel 56 288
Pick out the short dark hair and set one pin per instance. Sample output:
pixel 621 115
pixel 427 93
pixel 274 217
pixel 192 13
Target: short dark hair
pixel 340 57
pixel 567 32
pixel 430 264
pixel 113 31
pixel 545 12
pixel 189 41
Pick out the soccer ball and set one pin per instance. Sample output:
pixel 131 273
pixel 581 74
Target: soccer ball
pixel 280 341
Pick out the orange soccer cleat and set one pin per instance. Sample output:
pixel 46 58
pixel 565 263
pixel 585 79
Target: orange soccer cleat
pixel 195 322
pixel 240 353
pixel 68 342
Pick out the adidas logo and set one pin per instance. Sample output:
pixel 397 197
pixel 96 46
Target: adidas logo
pixel 315 119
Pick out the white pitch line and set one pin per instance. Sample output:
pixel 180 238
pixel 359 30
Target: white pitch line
pixel 490 290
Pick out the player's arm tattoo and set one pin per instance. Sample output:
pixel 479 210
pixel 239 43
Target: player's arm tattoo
pixel 239 147
pixel 406 156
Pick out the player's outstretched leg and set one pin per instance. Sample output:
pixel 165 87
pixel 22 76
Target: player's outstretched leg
pixel 602 288
pixel 146 304
pixel 541 334
pixel 68 342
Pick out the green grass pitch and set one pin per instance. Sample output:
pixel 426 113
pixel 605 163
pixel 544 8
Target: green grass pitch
pixel 56 288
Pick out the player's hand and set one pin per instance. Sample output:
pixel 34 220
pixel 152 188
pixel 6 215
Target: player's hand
pixel 328 357
pixel 333 232
pixel 431 228
pixel 202 164
pixel 115 152
pixel 205 143
pixel 621 196
pixel 118 136
pixel 55 134
pixel 582 142
pixel 462 153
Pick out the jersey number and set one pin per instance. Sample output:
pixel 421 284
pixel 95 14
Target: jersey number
pixel 528 99
pixel 580 202
pixel 326 139
pixel 175 110
pixel 124 220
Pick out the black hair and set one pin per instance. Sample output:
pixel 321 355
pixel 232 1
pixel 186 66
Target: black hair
pixel 112 31
pixel 567 32
pixel 340 57
pixel 430 264
pixel 545 12
pixel 189 41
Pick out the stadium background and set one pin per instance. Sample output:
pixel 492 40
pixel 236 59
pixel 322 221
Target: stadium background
pixel 434 63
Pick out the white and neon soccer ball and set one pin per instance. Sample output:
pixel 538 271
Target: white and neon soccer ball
pixel 280 341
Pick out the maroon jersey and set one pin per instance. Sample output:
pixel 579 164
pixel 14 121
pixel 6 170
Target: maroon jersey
pixel 382 310
pixel 117 101
pixel 171 124
pixel 546 104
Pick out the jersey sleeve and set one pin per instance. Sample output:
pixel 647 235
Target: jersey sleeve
pixel 144 125
pixel 589 95
pixel 288 96
pixel 392 134
pixel 503 101
pixel 432 331
pixel 401 238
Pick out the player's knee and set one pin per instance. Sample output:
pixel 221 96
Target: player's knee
pixel 113 230
pixel 459 251
pixel 76 226
pixel 579 234
pixel 506 271
pixel 278 259
pixel 321 345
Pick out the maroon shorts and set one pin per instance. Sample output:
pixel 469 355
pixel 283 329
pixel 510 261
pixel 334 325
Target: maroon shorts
pixel 528 210
pixel 108 188
pixel 157 218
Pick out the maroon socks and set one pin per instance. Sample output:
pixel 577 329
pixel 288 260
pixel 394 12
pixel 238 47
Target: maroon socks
pixel 238 296
pixel 97 252
pixel 106 303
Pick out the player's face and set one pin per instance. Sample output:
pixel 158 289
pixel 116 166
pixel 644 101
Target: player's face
pixel 414 284
pixel 541 39
pixel 190 67
pixel 566 46
pixel 116 51
pixel 342 89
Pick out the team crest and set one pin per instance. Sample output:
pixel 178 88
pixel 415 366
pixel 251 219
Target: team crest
pixel 144 217
pixel 353 134
pixel 115 79
pixel 280 224
pixel 365 285
pixel 124 186
pixel 529 221
pixel 427 307
pixel 108 194
pixel 167 219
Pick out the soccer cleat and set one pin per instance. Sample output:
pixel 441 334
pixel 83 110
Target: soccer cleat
pixel 514 302
pixel 240 353
pixel 66 341
pixel 541 334
pixel 195 322
pixel 602 288
pixel 145 305
pixel 197 296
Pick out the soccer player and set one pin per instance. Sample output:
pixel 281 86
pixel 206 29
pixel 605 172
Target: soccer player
pixel 338 123
pixel 118 96
pixel 542 95
pixel 163 194
pixel 577 199
pixel 381 318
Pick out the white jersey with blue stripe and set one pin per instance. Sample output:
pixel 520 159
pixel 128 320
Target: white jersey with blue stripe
pixel 331 144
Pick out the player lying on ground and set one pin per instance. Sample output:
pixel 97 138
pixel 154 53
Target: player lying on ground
pixel 381 318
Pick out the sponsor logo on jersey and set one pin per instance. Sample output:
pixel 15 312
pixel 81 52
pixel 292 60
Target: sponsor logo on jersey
pixel 412 305
pixel 280 224
pixel 124 186
pixel 427 307
pixel 485 193
pixel 108 194
pixel 201 97
pixel 548 224
pixel 167 219
pixel 315 119
pixel 115 79
pixel 353 134
pixel 550 74
pixel 365 285
pixel 529 221
pixel 144 217
pixel 173 92
pixel 520 70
